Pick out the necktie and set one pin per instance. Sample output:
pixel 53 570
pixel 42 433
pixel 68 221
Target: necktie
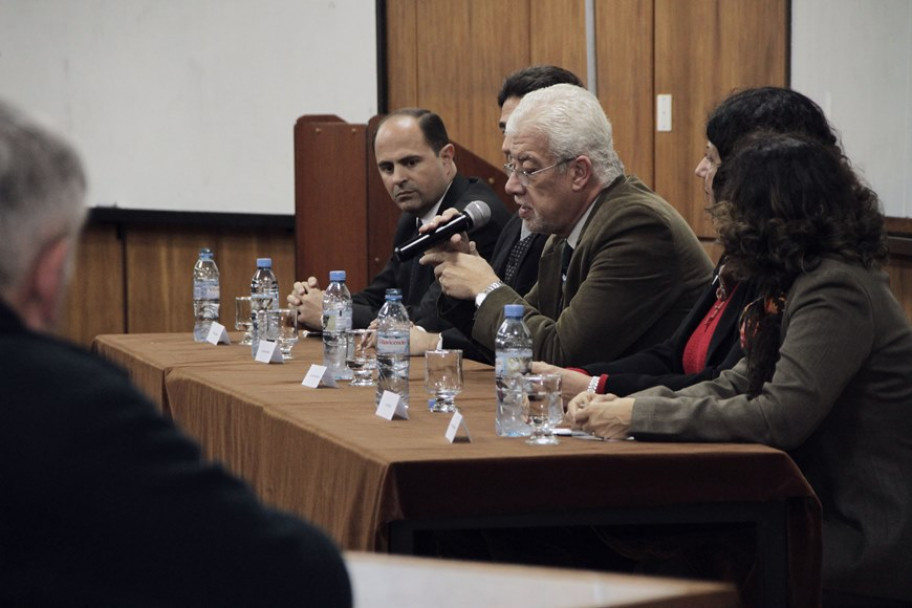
pixel 565 260
pixel 516 254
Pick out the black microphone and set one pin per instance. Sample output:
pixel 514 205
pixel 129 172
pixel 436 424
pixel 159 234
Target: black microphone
pixel 475 215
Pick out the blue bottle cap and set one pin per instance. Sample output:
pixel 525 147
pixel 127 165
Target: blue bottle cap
pixel 393 293
pixel 337 275
pixel 264 262
pixel 513 311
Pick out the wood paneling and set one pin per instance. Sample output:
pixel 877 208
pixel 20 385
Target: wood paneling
pixel 401 53
pixel 557 35
pixel 624 48
pixel 330 208
pixel 704 49
pixel 95 299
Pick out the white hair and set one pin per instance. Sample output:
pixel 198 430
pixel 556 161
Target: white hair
pixel 42 193
pixel 574 123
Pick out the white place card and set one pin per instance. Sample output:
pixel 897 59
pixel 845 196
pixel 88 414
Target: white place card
pixel 217 334
pixel 317 375
pixel 457 422
pixel 391 406
pixel 269 352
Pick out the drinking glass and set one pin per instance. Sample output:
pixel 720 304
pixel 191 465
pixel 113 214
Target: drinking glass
pixel 361 356
pixel 443 378
pixel 282 327
pixel 542 407
pixel 243 319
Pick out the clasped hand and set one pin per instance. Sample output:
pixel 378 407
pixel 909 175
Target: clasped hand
pixel 606 416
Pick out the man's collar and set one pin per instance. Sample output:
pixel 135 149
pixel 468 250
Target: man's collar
pixel 435 210
pixel 575 234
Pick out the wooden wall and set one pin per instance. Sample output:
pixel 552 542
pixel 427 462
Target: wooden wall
pixel 138 278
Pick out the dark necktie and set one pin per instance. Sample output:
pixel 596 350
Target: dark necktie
pixel 565 260
pixel 519 249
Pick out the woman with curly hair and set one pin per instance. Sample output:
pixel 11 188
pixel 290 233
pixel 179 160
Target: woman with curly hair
pixel 827 372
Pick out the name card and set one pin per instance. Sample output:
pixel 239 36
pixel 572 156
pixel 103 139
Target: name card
pixel 217 334
pixel 391 406
pixel 268 352
pixel 457 422
pixel 317 375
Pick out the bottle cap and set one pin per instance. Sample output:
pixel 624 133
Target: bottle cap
pixel 513 311
pixel 393 294
pixel 336 275
pixel 205 252
pixel 264 262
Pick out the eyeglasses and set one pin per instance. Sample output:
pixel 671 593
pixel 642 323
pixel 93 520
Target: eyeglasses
pixel 525 177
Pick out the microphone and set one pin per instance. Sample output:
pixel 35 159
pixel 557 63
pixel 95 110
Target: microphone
pixel 475 215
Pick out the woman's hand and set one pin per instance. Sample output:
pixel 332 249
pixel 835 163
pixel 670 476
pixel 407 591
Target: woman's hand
pixel 572 382
pixel 607 416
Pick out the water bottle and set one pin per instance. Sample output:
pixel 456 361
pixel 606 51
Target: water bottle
pixel 205 294
pixel 513 359
pixel 393 327
pixel 337 320
pixel 264 294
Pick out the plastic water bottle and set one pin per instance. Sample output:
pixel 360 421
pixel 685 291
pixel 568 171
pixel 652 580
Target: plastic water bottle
pixel 393 327
pixel 205 294
pixel 513 359
pixel 264 294
pixel 337 319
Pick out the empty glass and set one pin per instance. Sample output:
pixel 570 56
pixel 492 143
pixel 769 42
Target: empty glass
pixel 282 327
pixel 443 378
pixel 361 356
pixel 243 319
pixel 542 407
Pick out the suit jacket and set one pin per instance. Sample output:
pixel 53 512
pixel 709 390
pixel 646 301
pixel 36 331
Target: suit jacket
pixel 419 287
pixel 105 503
pixel 636 272
pixel 662 364
pixel 840 401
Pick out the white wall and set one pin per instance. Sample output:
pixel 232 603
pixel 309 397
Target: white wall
pixel 854 58
pixel 188 105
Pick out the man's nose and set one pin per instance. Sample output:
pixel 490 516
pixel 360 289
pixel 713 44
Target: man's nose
pixel 513 185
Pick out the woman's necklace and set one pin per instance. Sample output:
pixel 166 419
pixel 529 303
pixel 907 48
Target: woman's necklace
pixel 721 296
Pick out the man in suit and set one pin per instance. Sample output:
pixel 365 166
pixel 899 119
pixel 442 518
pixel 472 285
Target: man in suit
pixel 417 164
pixel 518 249
pixel 104 501
pixel 622 268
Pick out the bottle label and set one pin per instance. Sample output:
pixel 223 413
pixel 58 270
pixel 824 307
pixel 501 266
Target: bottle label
pixel 205 291
pixel 337 320
pixel 393 343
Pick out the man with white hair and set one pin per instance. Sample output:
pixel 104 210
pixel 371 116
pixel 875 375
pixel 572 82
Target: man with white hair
pixel 621 268
pixel 104 502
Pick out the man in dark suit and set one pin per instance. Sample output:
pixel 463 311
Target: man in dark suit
pixel 104 502
pixel 417 164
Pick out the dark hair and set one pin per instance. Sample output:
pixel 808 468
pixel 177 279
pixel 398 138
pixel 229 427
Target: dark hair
pixel 771 108
pixel 431 125
pixel 526 80
pixel 786 202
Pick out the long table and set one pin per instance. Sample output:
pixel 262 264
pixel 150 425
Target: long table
pixel 376 485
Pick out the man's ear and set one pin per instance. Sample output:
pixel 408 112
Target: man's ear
pixel 43 289
pixel 448 152
pixel 580 172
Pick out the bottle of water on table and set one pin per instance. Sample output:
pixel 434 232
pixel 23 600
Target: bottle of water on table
pixel 205 294
pixel 337 320
pixel 513 360
pixel 393 327
pixel 264 294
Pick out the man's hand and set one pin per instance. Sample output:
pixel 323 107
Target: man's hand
pixel 461 275
pixel 459 242
pixel 421 341
pixel 607 416
pixel 572 381
pixel 307 297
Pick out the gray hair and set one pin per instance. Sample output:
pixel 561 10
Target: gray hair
pixel 42 193
pixel 574 123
